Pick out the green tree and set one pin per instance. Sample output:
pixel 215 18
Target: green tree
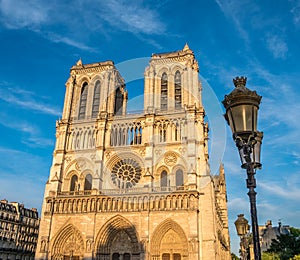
pixel 286 245
pixel 234 257
pixel 270 256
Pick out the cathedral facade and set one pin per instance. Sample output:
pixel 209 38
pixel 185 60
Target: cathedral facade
pixel 134 186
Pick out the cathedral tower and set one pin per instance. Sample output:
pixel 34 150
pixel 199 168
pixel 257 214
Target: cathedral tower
pixel 134 186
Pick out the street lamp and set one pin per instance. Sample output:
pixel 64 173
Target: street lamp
pixel 242 228
pixel 241 107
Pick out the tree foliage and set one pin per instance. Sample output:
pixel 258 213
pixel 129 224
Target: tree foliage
pixel 286 245
pixel 270 256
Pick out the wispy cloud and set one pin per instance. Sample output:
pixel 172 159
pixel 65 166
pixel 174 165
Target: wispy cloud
pixel 23 14
pixel 25 99
pixel 17 178
pixel 277 46
pixel 295 10
pixel 291 192
pixel 133 17
pixel 235 11
pixel 66 40
pixel 102 17
pixel 32 132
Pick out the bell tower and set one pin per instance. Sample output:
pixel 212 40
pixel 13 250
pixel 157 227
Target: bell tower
pixel 134 186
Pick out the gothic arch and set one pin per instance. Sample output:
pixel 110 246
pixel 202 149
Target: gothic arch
pixel 176 67
pixel 163 70
pixel 79 164
pixel 68 242
pixel 163 161
pixel 113 228
pixel 80 81
pixel 99 77
pixel 123 155
pixel 168 236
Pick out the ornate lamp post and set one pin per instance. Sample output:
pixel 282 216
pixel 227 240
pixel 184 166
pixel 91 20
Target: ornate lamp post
pixel 242 228
pixel 241 107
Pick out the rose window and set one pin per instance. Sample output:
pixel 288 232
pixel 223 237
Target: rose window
pixel 126 173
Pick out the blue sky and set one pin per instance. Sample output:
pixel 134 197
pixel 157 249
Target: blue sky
pixel 41 40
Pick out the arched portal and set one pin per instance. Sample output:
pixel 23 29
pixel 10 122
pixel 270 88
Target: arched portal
pixel 169 242
pixel 68 244
pixel 118 239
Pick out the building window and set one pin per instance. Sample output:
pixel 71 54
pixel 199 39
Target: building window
pixel 74 183
pixel 96 100
pixel 83 101
pixel 176 257
pixel 166 256
pixel 164 179
pixel 88 182
pixel 177 90
pixel 179 178
pixel 119 102
pixel 164 92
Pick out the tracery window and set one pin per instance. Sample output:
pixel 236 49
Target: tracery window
pixel 177 90
pixel 126 173
pixel 83 101
pixel 179 178
pixel 164 92
pixel 164 179
pixel 74 183
pixel 96 100
pixel 88 182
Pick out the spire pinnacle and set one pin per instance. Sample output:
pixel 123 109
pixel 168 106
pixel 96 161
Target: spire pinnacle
pixel 79 62
pixel 186 47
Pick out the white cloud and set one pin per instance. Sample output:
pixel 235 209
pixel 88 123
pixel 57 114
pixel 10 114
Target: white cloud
pixel 32 133
pixel 133 18
pixel 19 14
pixel 78 22
pixel 295 10
pixel 235 10
pixel 66 40
pixel 288 192
pixel 238 205
pixel 25 99
pixel 277 46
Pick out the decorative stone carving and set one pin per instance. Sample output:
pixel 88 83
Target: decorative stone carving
pixel 170 158
pixel 126 173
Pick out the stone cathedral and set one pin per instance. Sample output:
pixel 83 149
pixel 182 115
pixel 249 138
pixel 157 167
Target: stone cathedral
pixel 134 186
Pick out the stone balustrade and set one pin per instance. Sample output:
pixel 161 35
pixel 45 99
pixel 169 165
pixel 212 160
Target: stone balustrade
pixel 181 200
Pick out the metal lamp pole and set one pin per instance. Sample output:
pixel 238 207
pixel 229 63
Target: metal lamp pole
pixel 241 107
pixel 242 228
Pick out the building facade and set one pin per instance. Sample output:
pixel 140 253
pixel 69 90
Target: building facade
pixel 134 186
pixel 19 228
pixel 268 232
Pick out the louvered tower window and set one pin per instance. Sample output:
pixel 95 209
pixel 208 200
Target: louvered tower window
pixel 164 92
pixel 177 90
pixel 96 100
pixel 83 101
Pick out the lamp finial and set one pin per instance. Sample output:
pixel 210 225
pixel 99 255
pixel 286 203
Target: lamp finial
pixel 240 81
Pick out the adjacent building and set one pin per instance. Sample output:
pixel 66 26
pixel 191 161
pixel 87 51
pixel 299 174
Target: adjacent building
pixel 18 231
pixel 268 232
pixel 134 186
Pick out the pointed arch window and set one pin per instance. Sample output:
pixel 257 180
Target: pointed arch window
pixel 119 102
pixel 74 183
pixel 179 178
pixel 83 101
pixel 164 179
pixel 88 182
pixel 164 92
pixel 96 100
pixel 178 94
